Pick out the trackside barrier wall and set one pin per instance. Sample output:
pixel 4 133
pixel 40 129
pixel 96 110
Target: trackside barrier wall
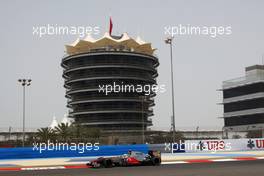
pixel 28 152
pixel 110 150
pixel 191 146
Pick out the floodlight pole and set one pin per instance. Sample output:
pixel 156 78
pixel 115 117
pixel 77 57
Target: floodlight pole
pixel 169 41
pixel 24 83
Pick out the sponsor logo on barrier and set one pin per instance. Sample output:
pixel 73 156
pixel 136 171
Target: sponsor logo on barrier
pixel 260 143
pixel 250 144
pixel 213 145
pixel 226 145
pixel 255 144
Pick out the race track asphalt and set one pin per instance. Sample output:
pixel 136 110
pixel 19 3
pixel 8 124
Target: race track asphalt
pixel 231 168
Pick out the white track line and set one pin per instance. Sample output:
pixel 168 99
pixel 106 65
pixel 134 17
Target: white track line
pixel 174 162
pixel 260 157
pixel 42 168
pixel 212 160
pixel 223 160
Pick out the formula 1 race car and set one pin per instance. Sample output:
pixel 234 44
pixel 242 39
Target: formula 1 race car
pixel 132 158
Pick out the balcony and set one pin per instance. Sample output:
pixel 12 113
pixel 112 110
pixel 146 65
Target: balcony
pixel 244 112
pixel 146 76
pixel 240 81
pixel 109 53
pixel 106 98
pixel 244 97
pixel 110 110
pixel 109 65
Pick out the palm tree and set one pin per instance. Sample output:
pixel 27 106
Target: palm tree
pixel 77 130
pixel 63 130
pixel 45 134
pixel 93 132
pixel 83 133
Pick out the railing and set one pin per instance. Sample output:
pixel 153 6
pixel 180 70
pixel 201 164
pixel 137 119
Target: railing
pixel 243 97
pixel 243 80
pixel 142 66
pixel 152 80
pixel 107 49
pixel 238 79
pixel 109 108
pixel 97 88
pixel 115 120
pixel 105 74
pixel 79 65
pixel 244 112
pixel 123 98
pixel 79 88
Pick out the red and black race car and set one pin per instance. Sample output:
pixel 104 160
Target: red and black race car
pixel 132 158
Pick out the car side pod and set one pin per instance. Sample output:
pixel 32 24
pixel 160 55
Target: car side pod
pixel 132 161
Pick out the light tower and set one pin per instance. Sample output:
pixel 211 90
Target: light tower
pixel 24 83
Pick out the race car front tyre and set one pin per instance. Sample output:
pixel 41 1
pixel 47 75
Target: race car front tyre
pixel 156 161
pixel 123 162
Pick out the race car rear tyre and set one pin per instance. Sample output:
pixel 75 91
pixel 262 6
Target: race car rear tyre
pixel 107 163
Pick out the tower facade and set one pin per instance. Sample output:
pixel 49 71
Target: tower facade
pixel 101 78
pixel 243 100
